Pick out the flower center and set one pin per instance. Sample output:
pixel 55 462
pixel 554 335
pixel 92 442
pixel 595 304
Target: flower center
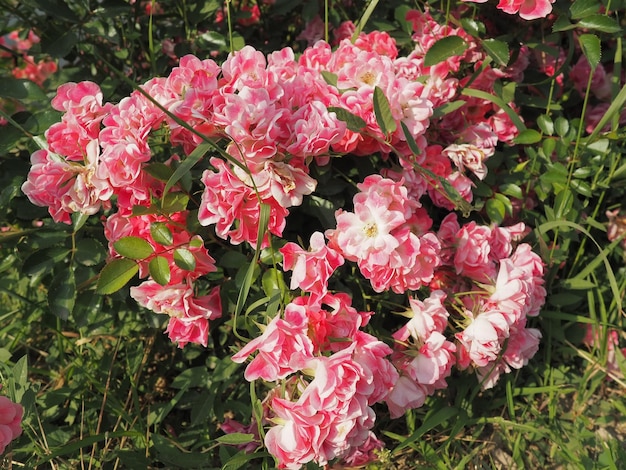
pixel 368 78
pixel 370 230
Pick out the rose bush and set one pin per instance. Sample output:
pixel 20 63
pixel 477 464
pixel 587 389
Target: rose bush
pixel 356 221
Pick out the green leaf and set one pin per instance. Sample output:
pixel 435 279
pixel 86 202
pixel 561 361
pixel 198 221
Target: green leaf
pixel 562 24
pixel 497 50
pixel 563 203
pixel 443 49
pixel 115 275
pixel 495 210
pixel 582 188
pixel 384 118
pixel 443 186
pixel 527 137
pixel 472 26
pixel 601 23
pixel 329 77
pixel 159 269
pixel 186 165
pixel 545 124
pixel 19 373
pixel 272 281
pixel 240 459
pixel 133 248
pixel 44 261
pixel 432 420
pixel 614 110
pixel 601 258
pixel 354 122
pixel 62 294
pixel 89 252
pixel 184 259
pixel 61 45
pixel 78 220
pixel 583 8
pixel 235 438
pixel 512 190
pixel 410 140
pixel 561 125
pixel 22 90
pixel 590 45
pixel 161 233
pixel 87 441
pixel 510 112
pixel 160 171
pixel 264 217
pixel 57 9
pixel 233 260
pixel 578 284
pixel 447 108
pixel 173 202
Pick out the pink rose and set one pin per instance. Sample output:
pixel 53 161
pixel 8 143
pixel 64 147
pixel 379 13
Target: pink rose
pixel 10 422
pixel 282 349
pixel 311 269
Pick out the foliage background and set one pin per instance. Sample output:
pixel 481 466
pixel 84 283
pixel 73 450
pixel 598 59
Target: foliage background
pixel 102 386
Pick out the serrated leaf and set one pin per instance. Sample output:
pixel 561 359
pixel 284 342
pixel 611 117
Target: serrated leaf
pixel 184 259
pixel 133 247
pixel 235 438
pixel 159 269
pixel 527 137
pixel 62 294
pixel 161 233
pixel 115 275
pixel 354 122
pixel 590 45
pixel 601 23
pixel 497 50
pixel 443 49
pixel 581 8
pixel 384 118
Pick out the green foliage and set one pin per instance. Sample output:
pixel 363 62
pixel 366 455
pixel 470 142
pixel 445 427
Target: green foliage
pixel 102 387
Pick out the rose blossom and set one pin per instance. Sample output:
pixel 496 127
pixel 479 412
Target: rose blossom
pixel 10 422
pixel 311 269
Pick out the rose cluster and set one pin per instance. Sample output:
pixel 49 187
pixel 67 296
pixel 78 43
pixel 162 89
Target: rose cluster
pixel 469 288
